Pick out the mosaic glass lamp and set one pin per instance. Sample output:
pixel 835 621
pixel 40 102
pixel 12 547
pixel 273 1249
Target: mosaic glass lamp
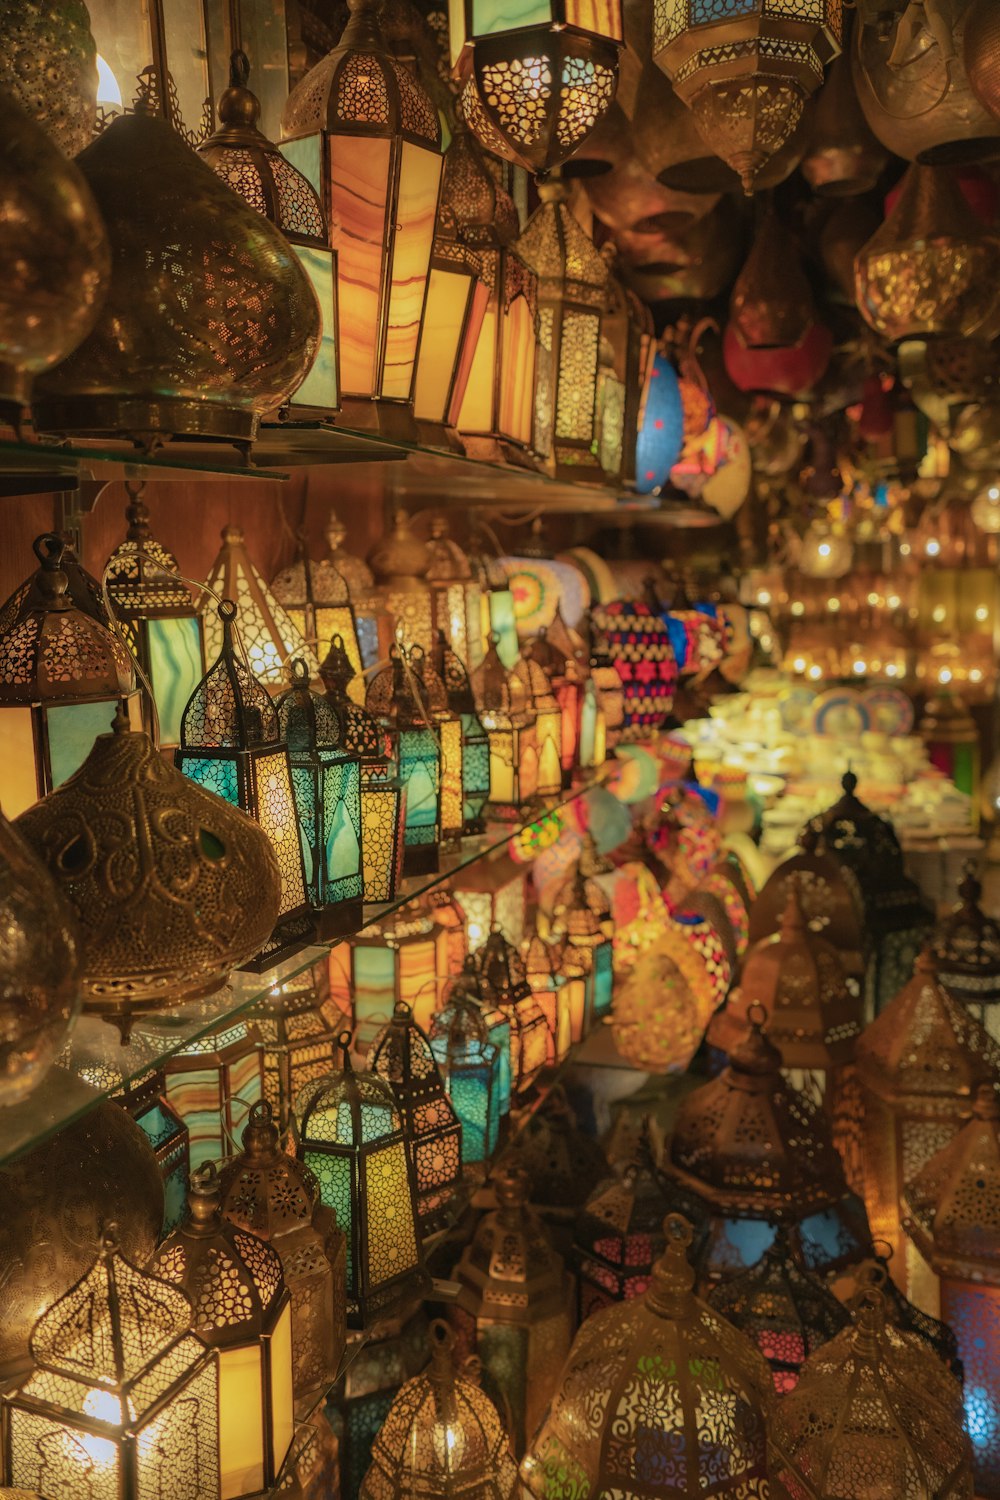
pixel 507 715
pixel 231 745
pixel 401 1055
pixel 352 1139
pixel 270 1194
pixel 469 1061
pixel 966 947
pixel 123 1400
pixel 367 136
pixel 326 781
pixel 315 597
pixel 158 618
pixel 63 678
pixel 402 958
pixel 475 742
pixel 397 703
pixel 297 1024
pixel 513 1305
pixel 269 638
pixel 456 595
pixel 243 1311
pixel 212 1084
pixel 503 974
pixel 618 1235
pixel 658 1385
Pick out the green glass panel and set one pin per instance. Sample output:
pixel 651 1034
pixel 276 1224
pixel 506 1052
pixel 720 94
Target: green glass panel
pixel 492 17
pixel 73 728
pixel 175 669
pixel 218 776
pixel 321 386
pixel 334 1176
pixel 307 155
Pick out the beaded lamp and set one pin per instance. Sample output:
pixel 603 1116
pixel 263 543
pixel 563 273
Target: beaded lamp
pixel 505 979
pixel 404 957
pixel 315 597
pixel 541 967
pixel 213 1083
pixel 123 1400
pixel 469 1062
pixel 721 899
pixel 636 642
pixel 507 714
pixel 475 742
pixel 242 1310
pixel 297 1024
pixel 919 1063
pixel 829 894
pixel 396 701
pixel 269 638
pixel 513 1305
pixel 272 1195
pixel 351 1137
pixel 619 1232
pixel 659 1385
pixel 441 1437
pixel 966 947
pixel 401 1055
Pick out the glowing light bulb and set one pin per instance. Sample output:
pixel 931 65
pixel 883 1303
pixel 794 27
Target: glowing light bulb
pixel 873 599
pixel 799 664
pixel 893 601
pixel 823 549
pixel 904 549
pixel 933 547
pixel 815 672
pixel 798 608
pixel 938 614
pixel 982 612
pixel 109 95
pixel 763 596
pixel 944 675
pixel 975 675
pixel 833 605
pixel 860 667
pixel 891 669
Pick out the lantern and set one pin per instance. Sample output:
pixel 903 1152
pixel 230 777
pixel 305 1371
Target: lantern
pixel 703 1394
pixel 157 616
pixel 146 1101
pixel 402 596
pixel 326 781
pixel 572 288
pixel 542 80
pixel 904 1314
pixel 64 678
pixel 269 1194
pixel 966 948
pixel 548 724
pixel 473 983
pixel 268 637
pixel 506 983
pixel 395 700
pixel 430 691
pixel 492 892
pixel 513 1305
pixel 582 916
pixel 404 957
pixel 358 576
pixel 124 1400
pixel 351 1137
pixel 150 42
pixel 843 157
pixel 297 1024
pixel 566 675
pixel 506 712
pixel 401 1055
pixel 609 688
pixel 448 915
pixel 230 744
pixel 829 895
pixel 251 1329
pixel 951 739
pixel 663 1005
pixel 441 1437
pixel 378 1367
pixel 920 1063
pixel 746 70
pixel 475 742
pixel 456 597
pixel 213 1083
pixel 368 138
pixel 315 598
pixel 541 966
pixel 562 1163
pixel 469 1061
pixel 618 1235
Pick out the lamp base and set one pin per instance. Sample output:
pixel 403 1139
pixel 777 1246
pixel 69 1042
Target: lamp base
pixel 439 435
pixel 147 420
pixel 487 449
pixel 338 921
pixel 390 419
pixel 420 859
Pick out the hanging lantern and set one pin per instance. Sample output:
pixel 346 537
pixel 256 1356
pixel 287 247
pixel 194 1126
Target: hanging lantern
pixel 358 576
pixel 541 963
pixel 499 1026
pixel 609 687
pixel 829 895
pixel 966 949
pixel 401 1055
pixel 505 709
pixel 619 1235
pixel 240 153
pixel 230 744
pixel 146 1101
pixel 698 1376
pixel 393 699
pixel 297 1025
pixel 326 781
pixel 548 724
pixel 566 674
pixel 168 48
pixel 401 959
pixel 843 158
pixel 505 979
pixel 212 1084
pixel 366 135
pixel 572 289
pixel 315 598
pixel 920 1063
pixel 441 1437
pixel 513 1305
pixel 469 1061
pixel 268 637
pixel 581 915
pixel 499 614
pixel 456 596
pixel 270 1195
pixel 124 1400
pixel 626 353
pixel 905 1315
pixel 64 678
pixel 542 81
pixel 209 1258
pixel 351 1138
pixel 475 742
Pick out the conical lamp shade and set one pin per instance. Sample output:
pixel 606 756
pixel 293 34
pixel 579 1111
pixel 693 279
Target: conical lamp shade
pixel 269 638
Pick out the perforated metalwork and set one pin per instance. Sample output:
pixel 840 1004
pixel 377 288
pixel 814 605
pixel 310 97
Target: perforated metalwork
pixel 619 1235
pixel 268 638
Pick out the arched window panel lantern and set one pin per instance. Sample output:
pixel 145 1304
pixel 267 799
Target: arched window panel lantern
pixel 456 596
pixel 315 597
pixel 366 135
pixel 397 702
pixel 493 892
pixel 582 917
pixel 500 1027
pixel 624 371
pixel 507 714
pixel 297 1024
pixel 469 1062
pixel 448 915
pixel 401 960
pixel 267 635
pixel 567 676
pixel 548 724
pixel 429 687
pixel 542 966
pixel 475 742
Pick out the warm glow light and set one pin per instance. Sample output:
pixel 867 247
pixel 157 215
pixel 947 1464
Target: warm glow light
pixel 824 549
pixel 815 672
pixel 860 667
pixel 933 547
pixel 109 95
pixel 833 605
pixel 944 675
pixel 938 614
pixel 891 670
pixel 103 1406
pixel 975 675
pixel 904 549
pixel 798 608
pixel 982 613
pixel 893 601
pixel 763 596
pixel 799 664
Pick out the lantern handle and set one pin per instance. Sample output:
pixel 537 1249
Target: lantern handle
pixel 757 1014
pixel 300 673
pixel 402 1010
pixel 344 1039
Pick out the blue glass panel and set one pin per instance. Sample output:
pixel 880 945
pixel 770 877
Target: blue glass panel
pixel 660 437
pixel 218 776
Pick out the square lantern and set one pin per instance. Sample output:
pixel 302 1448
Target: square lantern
pixel 470 1069
pixel 505 709
pixel 230 744
pixel 358 576
pixel 297 1025
pixel 402 959
pixel 493 892
pixel 457 296
pixel 582 917
pixel 363 131
pixel 63 678
pixel 157 615
pixel 503 975
pixel 352 1139
pixel 434 697
pixel 396 701
pixel 593 751
pixel 212 1084
pixel 552 650
pixel 473 986
pixel 548 725
pixel 475 743
pixel 123 1400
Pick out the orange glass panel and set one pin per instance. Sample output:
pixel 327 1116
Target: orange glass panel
pixel 359 189
pixel 440 348
pixel 473 327
pixel 476 412
pixel 416 212
pixel 603 17
pixel 517 387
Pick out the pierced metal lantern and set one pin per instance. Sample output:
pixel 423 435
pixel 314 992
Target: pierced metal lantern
pixel 919 1063
pixel 146 1101
pixel 787 1312
pixel 506 712
pixel 966 947
pixel 469 1061
pixel 401 1054
pixel 457 604
pixel 905 1314
pixel 513 1305
pixel 492 892
pixel 657 1390
pixel 269 638
pixel 272 1195
pixel 745 68
pixel 358 576
pixel 543 76
pixel 297 1024
pixel 64 676
pixel 367 136
pixel 404 957
pixel 429 689
pixel 352 1139
pixel 213 1083
pixel 247 161
pixel 402 595
pixel 378 1367
pixel 475 743
pixel 473 983
pixel 618 1235
pixel 830 897
pixel 572 288
pixel 860 1421
pixel 395 700
pixel 566 674
pixel 562 1163
pixel 124 1400
pixel 315 597
pixel 326 781
pixel 581 915
pixel 243 1311
pixel 441 1437
pixel 627 349
pixel 158 618
pixel 506 982
pixel 542 964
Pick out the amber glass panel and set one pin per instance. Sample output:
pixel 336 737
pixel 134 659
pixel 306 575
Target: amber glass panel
pixel 518 385
pixel 476 413
pixel 463 369
pixel 359 188
pixel 416 211
pixel 604 17
pixel 447 302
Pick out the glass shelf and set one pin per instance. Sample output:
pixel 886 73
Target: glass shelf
pixel 96 1064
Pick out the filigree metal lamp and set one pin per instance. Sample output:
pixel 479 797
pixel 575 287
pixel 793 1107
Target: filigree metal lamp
pixel 966 947
pixel 618 1234
pixel 469 1061
pixel 507 715
pixel 297 1024
pixel 269 637
pixel 829 894
pixel 315 597
pixel 475 743
pixel 506 981
pixel 404 957
pixel 395 700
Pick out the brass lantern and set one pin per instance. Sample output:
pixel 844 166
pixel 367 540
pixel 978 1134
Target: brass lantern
pixel 157 616
pixel 124 1400
pixel 542 966
pixel 241 1309
pixel 456 595
pixel 659 1386
pixel 403 957
pixel 567 676
pixel 358 576
pixel 618 1235
pixel 272 1195
pixel 543 78
pixel 49 70
pixel 513 1305
pixel 297 1024
pixel 397 701
pixel 503 974
pixel 626 362
pixel 269 638
pixel 368 138
pixel 507 715
pixel 582 916
pixel 402 597
pixel 469 1061
pixel 829 895
pixel 315 597
pixel 745 69
pixel 401 1055
pixel 213 1083
pixel 351 1138
pixel 572 289
pixel 475 742
pixel 966 947
pixel 64 676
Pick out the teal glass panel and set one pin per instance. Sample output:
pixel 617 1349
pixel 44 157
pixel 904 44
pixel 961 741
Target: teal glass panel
pixel 321 386
pixel 307 155
pixel 499 1034
pixel 342 832
pixel 419 769
pixel 376 1122
pixel 304 790
pixel 602 980
pixel 503 624
pixel 73 728
pixel 175 670
pixel 475 767
pixel 493 17
pixel 218 776
pixel 374 988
